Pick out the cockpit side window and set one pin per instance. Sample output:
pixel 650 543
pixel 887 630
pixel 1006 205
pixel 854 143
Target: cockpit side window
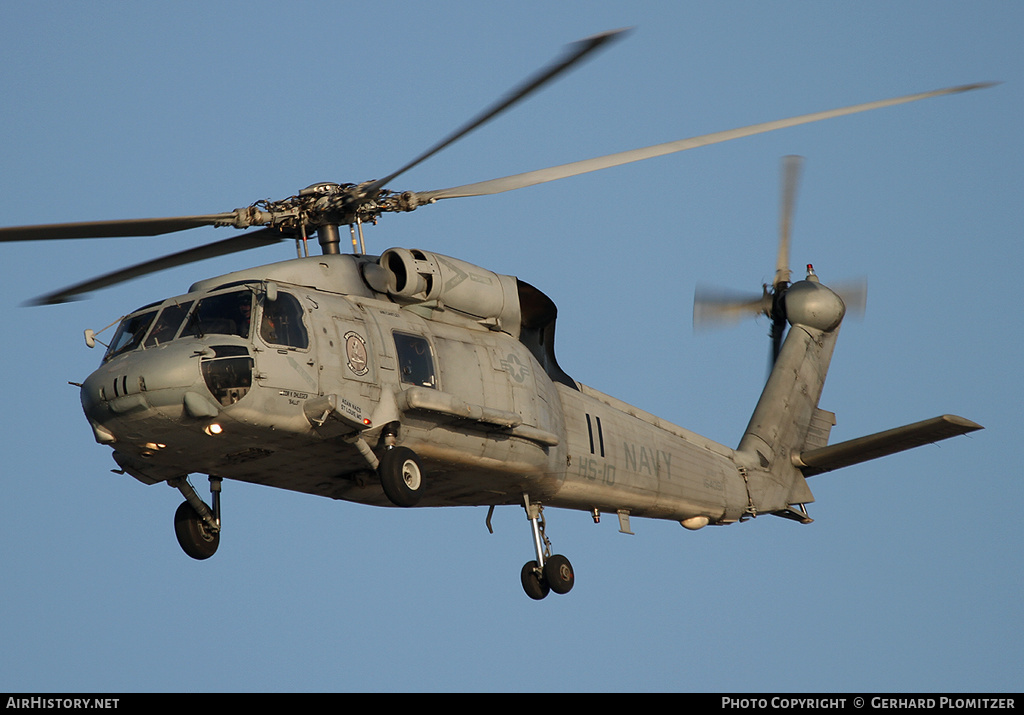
pixel 129 334
pixel 166 326
pixel 282 322
pixel 414 359
pixel 222 314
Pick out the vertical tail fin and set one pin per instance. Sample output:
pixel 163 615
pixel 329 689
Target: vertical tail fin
pixel 787 413
pixel 787 437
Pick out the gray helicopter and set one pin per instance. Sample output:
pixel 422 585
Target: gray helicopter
pixel 417 379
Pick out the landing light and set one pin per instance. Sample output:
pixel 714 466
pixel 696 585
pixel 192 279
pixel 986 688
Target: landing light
pixel 213 429
pixel 151 448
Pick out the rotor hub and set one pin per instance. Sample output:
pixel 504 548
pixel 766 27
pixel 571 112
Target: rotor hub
pixel 810 303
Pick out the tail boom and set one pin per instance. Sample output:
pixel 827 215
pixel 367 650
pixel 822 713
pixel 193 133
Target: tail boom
pixel 782 420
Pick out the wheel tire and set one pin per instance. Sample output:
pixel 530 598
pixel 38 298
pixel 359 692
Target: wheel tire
pixel 536 586
pixel 194 536
pixel 401 476
pixel 559 574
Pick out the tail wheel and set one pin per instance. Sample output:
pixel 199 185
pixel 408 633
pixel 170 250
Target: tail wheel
pixel 195 537
pixel 401 476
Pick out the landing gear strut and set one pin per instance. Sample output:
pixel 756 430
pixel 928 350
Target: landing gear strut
pixel 195 525
pixel 546 573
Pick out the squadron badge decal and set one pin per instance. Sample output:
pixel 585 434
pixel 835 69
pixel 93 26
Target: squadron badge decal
pixel 355 351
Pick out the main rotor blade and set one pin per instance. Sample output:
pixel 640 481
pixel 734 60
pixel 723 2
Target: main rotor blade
pixel 241 242
pixel 574 53
pixel 111 229
pixel 540 176
pixel 791 166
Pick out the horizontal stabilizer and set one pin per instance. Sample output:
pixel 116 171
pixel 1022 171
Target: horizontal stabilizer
pixel 855 451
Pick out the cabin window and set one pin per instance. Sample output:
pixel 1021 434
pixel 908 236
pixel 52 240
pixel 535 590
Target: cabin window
pixel 129 334
pixel 282 322
pixel 222 314
pixel 166 326
pixel 414 360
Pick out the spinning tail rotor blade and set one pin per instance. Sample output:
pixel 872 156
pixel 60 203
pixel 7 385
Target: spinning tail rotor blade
pixel 854 294
pixel 791 166
pixel 717 308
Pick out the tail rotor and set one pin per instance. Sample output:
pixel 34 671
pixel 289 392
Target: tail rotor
pixel 714 307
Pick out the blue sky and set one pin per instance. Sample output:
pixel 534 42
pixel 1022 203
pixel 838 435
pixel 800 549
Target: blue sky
pixel 908 579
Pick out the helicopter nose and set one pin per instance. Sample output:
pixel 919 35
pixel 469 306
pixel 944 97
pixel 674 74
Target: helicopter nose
pixel 136 391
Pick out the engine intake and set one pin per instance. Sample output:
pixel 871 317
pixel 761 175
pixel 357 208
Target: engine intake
pixel 415 276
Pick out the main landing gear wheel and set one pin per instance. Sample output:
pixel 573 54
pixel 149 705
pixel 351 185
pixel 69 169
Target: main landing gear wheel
pixel 401 476
pixel 558 574
pixel 195 537
pixel 534 583
pixel 546 573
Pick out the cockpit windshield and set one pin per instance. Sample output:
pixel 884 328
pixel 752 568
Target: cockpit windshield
pixel 219 314
pixel 166 326
pixel 222 314
pixel 130 333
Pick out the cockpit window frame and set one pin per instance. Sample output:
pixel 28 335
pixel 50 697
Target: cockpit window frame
pixel 168 331
pixel 193 328
pixel 137 334
pixel 290 330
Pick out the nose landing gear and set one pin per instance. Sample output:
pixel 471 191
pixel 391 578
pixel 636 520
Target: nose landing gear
pixel 195 525
pixel 547 573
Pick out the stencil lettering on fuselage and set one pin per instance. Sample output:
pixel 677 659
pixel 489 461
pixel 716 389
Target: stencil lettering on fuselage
pixel 647 460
